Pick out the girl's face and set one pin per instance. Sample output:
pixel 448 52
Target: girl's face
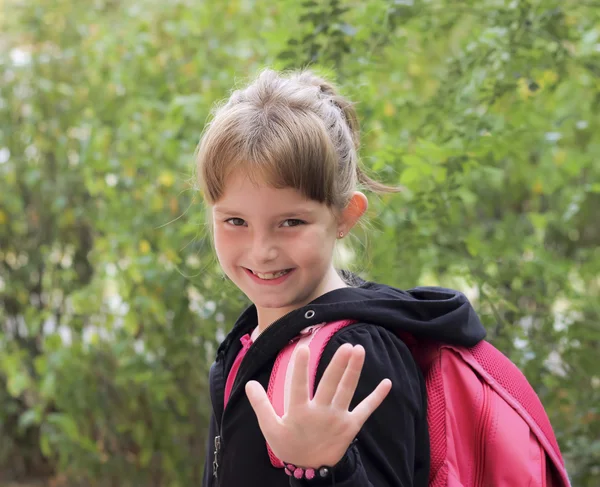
pixel 275 245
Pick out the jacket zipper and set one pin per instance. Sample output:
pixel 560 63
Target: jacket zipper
pixel 216 457
pixel 218 440
pixel 482 429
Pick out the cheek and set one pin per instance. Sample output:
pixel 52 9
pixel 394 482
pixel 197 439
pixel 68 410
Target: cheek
pixel 223 243
pixel 316 248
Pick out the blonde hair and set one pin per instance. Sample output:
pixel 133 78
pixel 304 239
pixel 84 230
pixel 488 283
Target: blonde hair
pixel 288 130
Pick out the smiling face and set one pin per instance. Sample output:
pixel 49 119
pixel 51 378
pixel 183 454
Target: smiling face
pixel 275 245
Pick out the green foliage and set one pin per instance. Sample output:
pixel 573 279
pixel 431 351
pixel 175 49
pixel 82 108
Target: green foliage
pixel 112 302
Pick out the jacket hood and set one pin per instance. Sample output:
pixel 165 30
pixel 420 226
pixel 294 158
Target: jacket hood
pixel 432 313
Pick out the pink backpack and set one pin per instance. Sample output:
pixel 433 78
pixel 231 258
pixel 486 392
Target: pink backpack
pixel 487 426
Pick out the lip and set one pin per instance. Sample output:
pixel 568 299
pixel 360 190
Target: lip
pixel 270 282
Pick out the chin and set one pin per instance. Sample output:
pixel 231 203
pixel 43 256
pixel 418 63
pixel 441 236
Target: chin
pixel 271 304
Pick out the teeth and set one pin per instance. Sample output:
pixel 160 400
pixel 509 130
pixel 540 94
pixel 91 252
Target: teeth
pixel 270 275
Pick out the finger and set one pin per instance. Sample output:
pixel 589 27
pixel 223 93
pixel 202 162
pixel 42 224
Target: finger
pixel 265 414
pixel 299 386
pixel 333 375
pixel 362 412
pixel 347 386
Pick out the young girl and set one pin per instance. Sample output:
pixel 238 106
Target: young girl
pixel 278 167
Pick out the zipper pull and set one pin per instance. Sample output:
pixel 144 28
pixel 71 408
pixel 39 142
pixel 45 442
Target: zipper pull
pixel 216 456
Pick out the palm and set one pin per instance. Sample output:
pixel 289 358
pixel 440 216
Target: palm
pixel 318 431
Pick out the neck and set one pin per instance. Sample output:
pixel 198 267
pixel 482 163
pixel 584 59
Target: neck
pixel 267 316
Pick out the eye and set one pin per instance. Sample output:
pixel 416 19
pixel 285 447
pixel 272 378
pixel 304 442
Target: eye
pixel 236 222
pixel 293 222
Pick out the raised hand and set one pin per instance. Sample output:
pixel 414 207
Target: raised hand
pixel 316 432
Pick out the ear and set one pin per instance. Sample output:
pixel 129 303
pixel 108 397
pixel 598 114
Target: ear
pixel 356 208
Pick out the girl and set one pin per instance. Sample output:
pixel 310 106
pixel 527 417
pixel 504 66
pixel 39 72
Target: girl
pixel 278 168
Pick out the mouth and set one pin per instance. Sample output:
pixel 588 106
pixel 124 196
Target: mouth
pixel 269 276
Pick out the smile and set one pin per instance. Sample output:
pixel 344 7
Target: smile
pixel 272 277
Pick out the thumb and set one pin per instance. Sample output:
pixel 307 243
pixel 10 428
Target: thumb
pixel 265 414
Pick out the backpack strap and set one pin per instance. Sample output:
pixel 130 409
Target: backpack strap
pixel 316 338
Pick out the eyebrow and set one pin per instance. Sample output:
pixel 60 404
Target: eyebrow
pixel 287 214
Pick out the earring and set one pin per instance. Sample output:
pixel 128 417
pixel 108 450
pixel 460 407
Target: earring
pixel 341 234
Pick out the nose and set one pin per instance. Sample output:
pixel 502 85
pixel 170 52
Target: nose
pixel 264 247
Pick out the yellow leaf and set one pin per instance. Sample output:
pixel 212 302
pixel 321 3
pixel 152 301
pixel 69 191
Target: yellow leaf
pixel 538 188
pixel 414 69
pixel 144 247
pixel 570 20
pixel 551 76
pixel 232 8
pixel 172 256
pixel 560 156
pixel 3 218
pixel 389 109
pixel 166 179
pixel 547 78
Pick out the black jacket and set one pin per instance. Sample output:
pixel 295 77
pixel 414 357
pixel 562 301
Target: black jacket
pixel 392 448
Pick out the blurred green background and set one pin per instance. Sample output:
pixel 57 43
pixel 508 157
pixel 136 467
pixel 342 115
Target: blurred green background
pixel 111 301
